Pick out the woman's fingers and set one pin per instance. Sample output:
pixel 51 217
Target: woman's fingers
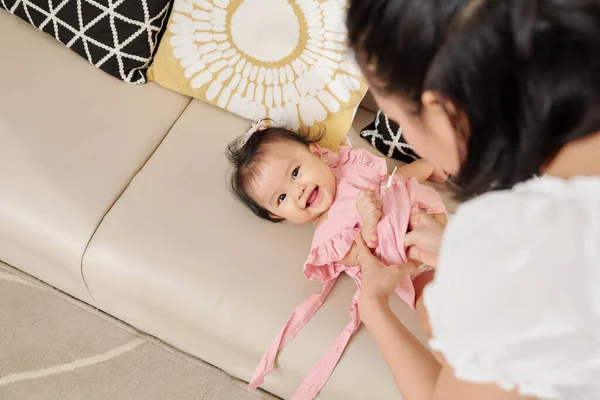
pixel 368 260
pixel 413 238
pixel 408 269
pixel 415 253
pixel 424 239
pixel 423 246
pixel 420 220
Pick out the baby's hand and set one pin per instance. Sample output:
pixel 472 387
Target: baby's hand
pixel 438 175
pixel 368 206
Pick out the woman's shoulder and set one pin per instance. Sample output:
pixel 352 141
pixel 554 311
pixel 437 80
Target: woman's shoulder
pixel 517 267
pixel 555 209
pixel 547 227
pixel 529 201
pixel 544 213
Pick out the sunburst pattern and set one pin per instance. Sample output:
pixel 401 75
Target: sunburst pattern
pixel 283 59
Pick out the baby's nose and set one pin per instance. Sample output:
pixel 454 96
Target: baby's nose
pixel 301 190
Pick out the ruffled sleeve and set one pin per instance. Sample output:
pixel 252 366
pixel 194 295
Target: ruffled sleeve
pixel 322 262
pixel 515 299
pixel 348 155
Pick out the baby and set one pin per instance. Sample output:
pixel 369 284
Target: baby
pixel 285 176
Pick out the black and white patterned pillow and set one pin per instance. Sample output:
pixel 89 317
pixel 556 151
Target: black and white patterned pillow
pixel 117 36
pixel 386 136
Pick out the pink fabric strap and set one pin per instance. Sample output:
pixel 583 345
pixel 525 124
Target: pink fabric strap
pixel 300 317
pixel 318 376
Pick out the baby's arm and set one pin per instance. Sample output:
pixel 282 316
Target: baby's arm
pixel 422 171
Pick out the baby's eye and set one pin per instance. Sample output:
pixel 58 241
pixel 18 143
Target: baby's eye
pixel 295 173
pixel 281 199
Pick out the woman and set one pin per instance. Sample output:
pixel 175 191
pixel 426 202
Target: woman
pixel 515 305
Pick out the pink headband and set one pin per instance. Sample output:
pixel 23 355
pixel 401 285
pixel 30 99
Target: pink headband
pixel 258 126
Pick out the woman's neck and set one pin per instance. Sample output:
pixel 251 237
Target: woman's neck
pixel 579 158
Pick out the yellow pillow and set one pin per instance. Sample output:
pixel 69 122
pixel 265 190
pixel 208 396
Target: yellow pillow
pixel 281 59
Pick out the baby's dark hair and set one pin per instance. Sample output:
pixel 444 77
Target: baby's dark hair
pixel 245 155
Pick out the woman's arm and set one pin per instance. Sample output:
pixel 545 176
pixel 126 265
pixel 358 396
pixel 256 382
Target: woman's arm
pixel 414 369
pixel 417 373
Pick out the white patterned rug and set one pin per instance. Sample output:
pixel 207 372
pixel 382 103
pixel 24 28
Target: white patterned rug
pixel 53 347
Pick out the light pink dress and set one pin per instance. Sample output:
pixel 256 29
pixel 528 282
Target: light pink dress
pixel 355 170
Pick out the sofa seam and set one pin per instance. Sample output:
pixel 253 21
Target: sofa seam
pixel 120 195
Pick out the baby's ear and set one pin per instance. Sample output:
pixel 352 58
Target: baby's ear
pixel 316 150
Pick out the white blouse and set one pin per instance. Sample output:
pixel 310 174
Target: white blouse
pixel 516 297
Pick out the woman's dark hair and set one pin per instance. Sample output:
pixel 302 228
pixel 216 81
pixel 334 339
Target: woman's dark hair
pixel 399 38
pixel 526 74
pixel 245 156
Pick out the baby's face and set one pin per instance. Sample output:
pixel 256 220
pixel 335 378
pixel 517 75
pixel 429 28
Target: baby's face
pixel 294 183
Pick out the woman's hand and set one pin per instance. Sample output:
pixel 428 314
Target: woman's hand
pixel 424 239
pixel 378 280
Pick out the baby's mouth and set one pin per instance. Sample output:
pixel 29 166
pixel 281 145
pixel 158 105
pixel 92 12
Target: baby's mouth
pixel 312 197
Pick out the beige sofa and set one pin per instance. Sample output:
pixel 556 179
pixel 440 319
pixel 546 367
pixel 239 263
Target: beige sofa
pixel 116 194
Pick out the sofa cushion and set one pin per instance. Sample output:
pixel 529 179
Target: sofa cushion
pixel 119 37
pixel 71 139
pixel 386 136
pixel 281 59
pixel 180 258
